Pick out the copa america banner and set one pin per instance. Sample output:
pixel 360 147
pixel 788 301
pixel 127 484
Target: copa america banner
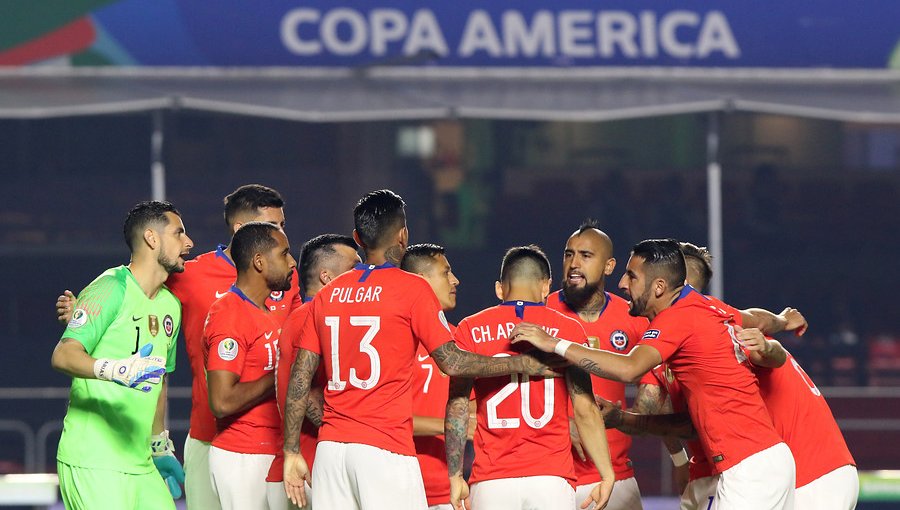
pixel 485 33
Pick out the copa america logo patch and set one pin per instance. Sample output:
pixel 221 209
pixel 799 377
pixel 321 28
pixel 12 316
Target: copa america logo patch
pixel 276 295
pixel 228 349
pixel 168 325
pixel 79 318
pixel 619 340
pixel 650 333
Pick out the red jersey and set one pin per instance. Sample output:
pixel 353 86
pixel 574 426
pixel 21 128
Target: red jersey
pixel 696 338
pixel 804 420
pixel 663 377
pixel 205 279
pixel 523 422
pixel 366 325
pixel 243 339
pixel 431 388
pixel 288 347
pixel 614 331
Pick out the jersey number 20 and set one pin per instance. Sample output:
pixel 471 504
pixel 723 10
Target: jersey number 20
pixel 373 323
pixel 524 387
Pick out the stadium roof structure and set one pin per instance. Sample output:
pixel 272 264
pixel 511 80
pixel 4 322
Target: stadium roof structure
pixel 391 93
pixel 398 93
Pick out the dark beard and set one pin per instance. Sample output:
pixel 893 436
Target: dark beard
pixel 639 304
pixel 280 285
pixel 578 297
pixel 169 265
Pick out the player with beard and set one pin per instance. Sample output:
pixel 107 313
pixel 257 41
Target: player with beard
pixel 206 278
pixel 707 353
pixel 322 259
pixel 587 261
pixel 241 338
pixel 123 330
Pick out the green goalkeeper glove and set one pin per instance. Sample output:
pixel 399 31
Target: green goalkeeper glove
pixel 138 372
pixel 163 452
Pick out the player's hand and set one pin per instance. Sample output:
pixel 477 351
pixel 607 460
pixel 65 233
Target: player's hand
pixel 611 412
pixel 541 364
pixel 576 440
pixel 533 334
pixel 459 493
pixel 296 473
pixel 752 339
pixel 138 371
pixel 163 453
pixel 599 495
pixel 682 476
pixel 64 304
pixel 794 321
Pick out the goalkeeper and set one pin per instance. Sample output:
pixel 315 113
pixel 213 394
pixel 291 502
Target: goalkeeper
pixel 118 347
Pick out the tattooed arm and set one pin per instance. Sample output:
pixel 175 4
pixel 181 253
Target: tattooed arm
pixel 456 423
pixel 296 472
pixel 458 363
pixel 677 425
pixel 617 367
pixel 315 406
pixel 592 432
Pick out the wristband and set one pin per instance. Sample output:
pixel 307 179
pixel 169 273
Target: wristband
pixel 679 458
pixel 561 347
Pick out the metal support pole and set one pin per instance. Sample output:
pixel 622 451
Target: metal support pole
pixel 157 168
pixel 714 200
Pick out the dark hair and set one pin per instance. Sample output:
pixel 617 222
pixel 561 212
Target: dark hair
pixel 700 257
pixel 664 259
pixel 588 224
pixel 252 238
pixel 143 215
pixel 377 215
pixel 315 250
pixel 419 255
pixel 525 262
pixel 248 199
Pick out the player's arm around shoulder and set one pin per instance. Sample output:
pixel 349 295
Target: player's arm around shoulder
pixel 592 432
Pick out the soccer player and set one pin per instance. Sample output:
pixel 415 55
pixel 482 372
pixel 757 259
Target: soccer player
pixel 241 349
pixel 366 326
pixel 826 472
pixel 430 385
pixel 587 261
pixel 123 330
pixel 205 279
pixel 523 453
pixel 705 351
pixel 322 259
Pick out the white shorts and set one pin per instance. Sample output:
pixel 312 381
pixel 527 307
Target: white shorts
pixel 353 476
pixel 445 506
pixel 525 493
pixel 626 495
pixel 762 481
pixel 837 490
pixel 700 494
pixel 198 491
pixel 239 480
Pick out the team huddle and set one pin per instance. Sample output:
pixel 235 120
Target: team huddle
pixel 334 383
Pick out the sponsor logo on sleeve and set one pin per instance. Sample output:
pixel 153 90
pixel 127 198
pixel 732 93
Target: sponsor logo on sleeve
pixel 220 294
pixel 79 318
pixel 650 334
pixel 228 349
pixel 619 340
pixel 168 325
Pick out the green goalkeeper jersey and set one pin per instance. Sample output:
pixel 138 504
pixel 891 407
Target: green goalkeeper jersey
pixel 108 426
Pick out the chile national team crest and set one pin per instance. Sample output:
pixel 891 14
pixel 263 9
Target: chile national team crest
pixel 168 325
pixel 619 340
